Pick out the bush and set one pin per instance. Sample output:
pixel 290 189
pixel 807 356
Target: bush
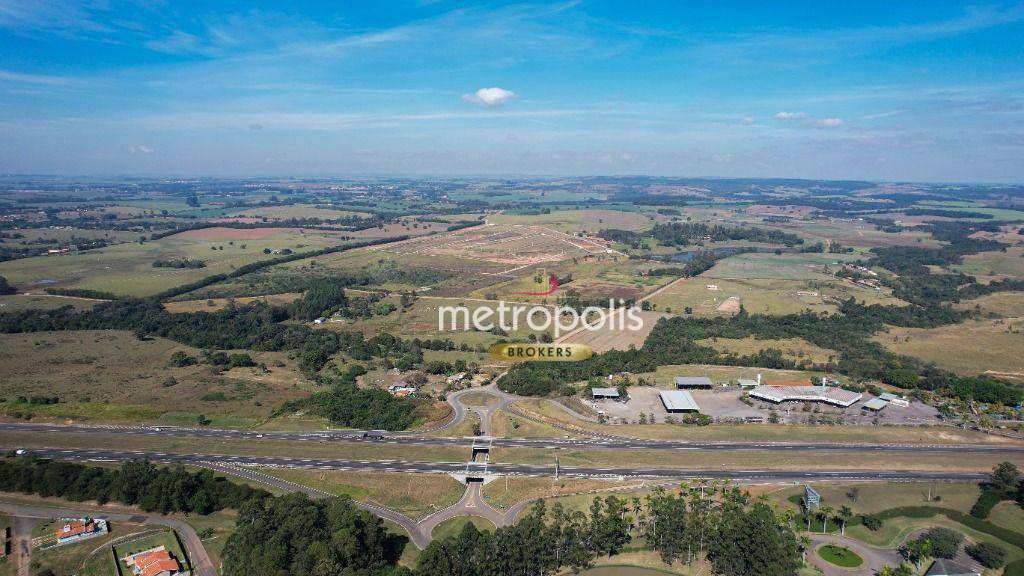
pixel 6 288
pixel 985 503
pixel 179 359
pixel 989 555
pixel 241 361
pixel 945 542
pixel 871 522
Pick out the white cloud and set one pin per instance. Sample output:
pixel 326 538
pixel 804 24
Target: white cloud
pixel 828 122
pixel 139 149
pixel 748 121
pixel 490 97
pixel 809 121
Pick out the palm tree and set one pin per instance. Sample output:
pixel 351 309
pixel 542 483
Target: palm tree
pixel 825 512
pixel 805 543
pixel 846 514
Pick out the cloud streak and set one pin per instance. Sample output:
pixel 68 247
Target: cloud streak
pixel 804 119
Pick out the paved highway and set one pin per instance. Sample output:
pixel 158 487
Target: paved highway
pixel 595 443
pixel 499 469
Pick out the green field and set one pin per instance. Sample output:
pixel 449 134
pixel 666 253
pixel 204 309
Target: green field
pixel 842 557
pixel 994 265
pixel 454 526
pixel 782 266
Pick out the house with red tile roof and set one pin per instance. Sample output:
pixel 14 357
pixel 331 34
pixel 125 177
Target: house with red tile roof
pixel 75 529
pixel 153 562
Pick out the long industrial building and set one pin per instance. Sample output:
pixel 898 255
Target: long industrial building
pixel 824 394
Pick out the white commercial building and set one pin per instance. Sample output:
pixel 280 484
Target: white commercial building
pixel 823 394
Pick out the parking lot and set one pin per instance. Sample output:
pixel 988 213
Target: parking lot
pixel 726 404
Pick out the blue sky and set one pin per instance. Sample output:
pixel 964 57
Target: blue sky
pixel 888 91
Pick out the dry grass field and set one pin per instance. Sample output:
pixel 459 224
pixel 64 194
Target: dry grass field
pixel 111 375
pixel 296 211
pixel 794 286
pixel 596 278
pixel 214 304
pixel 590 221
pixel 505 425
pixel 421 320
pixel 795 349
pixel 511 247
pixel 505 492
pixel 972 348
pixel 1005 304
pixel 19 302
pixel 1009 515
pixel 620 338
pixel 874 497
pixel 415 495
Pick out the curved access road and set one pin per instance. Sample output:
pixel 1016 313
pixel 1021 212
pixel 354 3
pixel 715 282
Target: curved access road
pixel 201 563
pixel 875 559
pixel 407 524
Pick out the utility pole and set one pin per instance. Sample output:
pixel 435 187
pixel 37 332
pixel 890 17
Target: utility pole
pixel 556 467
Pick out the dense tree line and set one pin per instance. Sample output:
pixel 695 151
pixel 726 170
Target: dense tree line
pixel 715 522
pixel 945 213
pixel 137 482
pixel 295 536
pixel 542 543
pixel 321 298
pixel 915 282
pixel 191 263
pixel 698 264
pixel 686 233
pixel 82 293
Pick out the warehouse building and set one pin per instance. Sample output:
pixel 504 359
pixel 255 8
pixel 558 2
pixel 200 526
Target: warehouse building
pixel 678 401
pixel 875 404
pixel 603 393
pixel 693 382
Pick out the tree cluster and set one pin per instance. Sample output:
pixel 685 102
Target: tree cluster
pixel 137 482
